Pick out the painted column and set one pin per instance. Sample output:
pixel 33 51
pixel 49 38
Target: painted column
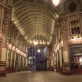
pixel 66 69
pixel 47 64
pixel 4 48
pixel 60 60
pixel 7 61
pixel 26 57
pixel 14 61
pixel 11 55
pixel 48 59
pixel 19 46
pixel 65 53
pixel 15 42
pixel 14 53
pixel 19 61
pixel 11 39
pixel 55 63
pixel 11 61
pixel 35 58
pixel 23 63
pixel 26 63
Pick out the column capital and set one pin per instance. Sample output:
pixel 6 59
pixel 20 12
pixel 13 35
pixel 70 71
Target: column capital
pixel 7 21
pixel 8 15
pixel 63 29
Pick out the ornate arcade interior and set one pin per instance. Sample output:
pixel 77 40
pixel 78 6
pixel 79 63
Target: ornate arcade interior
pixel 41 35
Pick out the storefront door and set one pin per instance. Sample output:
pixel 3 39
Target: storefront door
pixel 78 64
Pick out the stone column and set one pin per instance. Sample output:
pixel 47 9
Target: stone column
pixel 4 48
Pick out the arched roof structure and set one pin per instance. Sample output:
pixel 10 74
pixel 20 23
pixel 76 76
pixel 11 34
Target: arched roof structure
pixel 35 18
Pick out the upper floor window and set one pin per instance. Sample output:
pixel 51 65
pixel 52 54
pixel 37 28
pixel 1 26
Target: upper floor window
pixel 75 27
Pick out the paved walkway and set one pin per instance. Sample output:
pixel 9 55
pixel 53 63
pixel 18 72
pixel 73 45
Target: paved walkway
pixel 40 76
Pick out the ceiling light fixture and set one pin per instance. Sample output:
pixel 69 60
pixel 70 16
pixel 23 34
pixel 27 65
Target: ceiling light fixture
pixel 55 2
pixel 38 50
pixel 35 43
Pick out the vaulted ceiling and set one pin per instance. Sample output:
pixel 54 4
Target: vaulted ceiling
pixel 35 19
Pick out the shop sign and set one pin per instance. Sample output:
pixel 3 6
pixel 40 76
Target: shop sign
pixel 2 68
pixel 63 68
pixel 67 68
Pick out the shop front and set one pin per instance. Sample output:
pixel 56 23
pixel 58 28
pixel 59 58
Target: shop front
pixel 17 64
pixel 13 62
pixel 76 58
pixel 78 64
pixel 8 63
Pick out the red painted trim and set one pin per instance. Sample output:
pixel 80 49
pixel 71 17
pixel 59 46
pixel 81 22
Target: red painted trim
pixel 77 71
pixel 3 72
pixel 23 68
pixel 10 70
pixel 19 69
pixel 7 70
pixel 14 69
pixel 26 68
pixel 0 50
pixel 68 54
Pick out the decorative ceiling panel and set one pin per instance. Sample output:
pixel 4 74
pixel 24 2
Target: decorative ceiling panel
pixel 35 19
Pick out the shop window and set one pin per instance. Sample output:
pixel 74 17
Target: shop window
pixel 21 59
pixel 75 28
pixel 80 61
pixel 16 57
pixel 76 63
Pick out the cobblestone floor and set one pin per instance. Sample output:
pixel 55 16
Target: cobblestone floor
pixel 40 76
